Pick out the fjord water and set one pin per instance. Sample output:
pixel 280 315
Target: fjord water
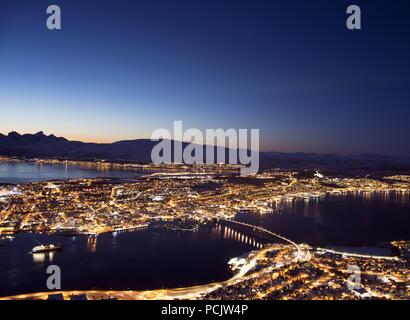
pixel 153 258
pixel 350 219
pixel 23 172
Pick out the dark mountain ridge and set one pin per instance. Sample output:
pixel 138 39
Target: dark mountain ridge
pixel 40 145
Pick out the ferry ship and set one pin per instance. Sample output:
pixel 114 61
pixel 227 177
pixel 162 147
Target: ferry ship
pixel 43 248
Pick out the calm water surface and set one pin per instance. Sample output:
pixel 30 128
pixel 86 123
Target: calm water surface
pixel 147 259
pixel 23 172
pixel 353 219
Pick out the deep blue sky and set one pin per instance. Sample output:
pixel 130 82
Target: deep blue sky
pixel 120 69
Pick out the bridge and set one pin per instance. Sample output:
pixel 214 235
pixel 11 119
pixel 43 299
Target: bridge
pixel 298 248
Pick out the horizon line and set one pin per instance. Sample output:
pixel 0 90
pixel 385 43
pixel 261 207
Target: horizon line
pixel 149 139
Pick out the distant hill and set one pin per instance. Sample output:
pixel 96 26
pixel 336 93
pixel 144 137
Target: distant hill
pixel 335 163
pixel 40 145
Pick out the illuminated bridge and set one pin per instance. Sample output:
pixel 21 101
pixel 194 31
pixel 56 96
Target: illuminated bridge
pixel 300 251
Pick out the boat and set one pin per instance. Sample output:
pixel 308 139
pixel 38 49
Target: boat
pixel 49 248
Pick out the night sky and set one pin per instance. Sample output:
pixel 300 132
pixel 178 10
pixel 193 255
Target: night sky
pixel 120 69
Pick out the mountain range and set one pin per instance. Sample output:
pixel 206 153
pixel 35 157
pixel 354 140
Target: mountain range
pixel 40 145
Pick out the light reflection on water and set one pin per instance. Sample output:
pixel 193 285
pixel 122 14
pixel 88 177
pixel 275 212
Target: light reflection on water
pixel 146 259
pixel 351 218
pixel 43 257
pixel 23 172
